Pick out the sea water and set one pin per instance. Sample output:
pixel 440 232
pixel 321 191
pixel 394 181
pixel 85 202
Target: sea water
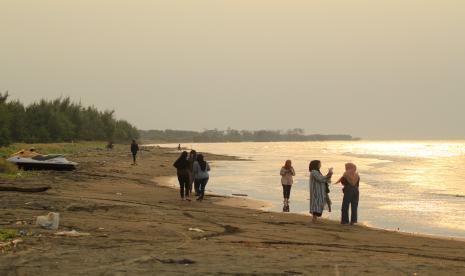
pixel 410 186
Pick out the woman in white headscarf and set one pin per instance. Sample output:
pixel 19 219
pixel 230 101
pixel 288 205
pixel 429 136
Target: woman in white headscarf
pixel 351 181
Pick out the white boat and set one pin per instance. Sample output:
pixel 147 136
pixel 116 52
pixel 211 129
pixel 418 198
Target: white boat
pixel 43 162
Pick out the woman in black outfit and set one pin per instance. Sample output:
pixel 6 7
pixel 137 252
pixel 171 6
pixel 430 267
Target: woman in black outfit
pixel 182 167
pixel 351 181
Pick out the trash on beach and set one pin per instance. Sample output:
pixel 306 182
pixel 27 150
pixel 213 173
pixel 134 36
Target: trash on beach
pixel 196 230
pixel 50 221
pixel 120 194
pixel 9 244
pixel 171 261
pixel 72 233
pixel 16 241
pixel 240 195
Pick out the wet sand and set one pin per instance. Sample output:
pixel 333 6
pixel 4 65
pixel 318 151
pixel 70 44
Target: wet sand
pixel 140 227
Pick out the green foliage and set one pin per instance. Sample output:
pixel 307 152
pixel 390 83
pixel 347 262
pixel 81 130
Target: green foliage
pixel 59 120
pixel 53 148
pixel 7 167
pixel 7 234
pixel 5 136
pixel 232 135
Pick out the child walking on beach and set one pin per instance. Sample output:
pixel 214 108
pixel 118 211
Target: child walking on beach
pixel 201 169
pixel 351 181
pixel 287 172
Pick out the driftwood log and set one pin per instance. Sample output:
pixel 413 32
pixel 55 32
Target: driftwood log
pixel 23 190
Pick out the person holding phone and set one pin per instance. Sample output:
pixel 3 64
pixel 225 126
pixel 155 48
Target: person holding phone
pixel 287 172
pixel 351 181
pixel 319 190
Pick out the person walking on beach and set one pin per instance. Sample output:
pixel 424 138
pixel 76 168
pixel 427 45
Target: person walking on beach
pixel 192 159
pixel 201 169
pixel 318 189
pixel 287 172
pixel 134 150
pixel 182 166
pixel 351 181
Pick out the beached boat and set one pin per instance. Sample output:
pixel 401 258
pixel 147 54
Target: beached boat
pixel 43 162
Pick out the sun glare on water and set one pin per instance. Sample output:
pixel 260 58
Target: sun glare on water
pixel 408 149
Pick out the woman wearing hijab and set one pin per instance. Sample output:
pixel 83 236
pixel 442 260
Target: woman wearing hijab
pixel 318 189
pixel 351 181
pixel 287 172
pixel 182 167
pixel 201 169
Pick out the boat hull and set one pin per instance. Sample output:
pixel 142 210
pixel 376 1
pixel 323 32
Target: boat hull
pixel 57 163
pixel 54 167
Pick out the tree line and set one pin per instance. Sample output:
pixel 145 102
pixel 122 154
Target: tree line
pixel 59 120
pixel 232 135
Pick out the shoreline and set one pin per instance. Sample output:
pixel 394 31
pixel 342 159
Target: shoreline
pixel 262 205
pixel 224 200
pixel 401 225
pixel 137 226
pixel 255 204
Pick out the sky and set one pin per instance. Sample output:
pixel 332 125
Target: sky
pixel 382 69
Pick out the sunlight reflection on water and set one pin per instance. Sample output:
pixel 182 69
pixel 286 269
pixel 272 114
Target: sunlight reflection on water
pixel 414 186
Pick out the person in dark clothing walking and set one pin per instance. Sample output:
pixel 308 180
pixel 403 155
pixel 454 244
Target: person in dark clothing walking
pixel 351 182
pixel 134 150
pixel 182 167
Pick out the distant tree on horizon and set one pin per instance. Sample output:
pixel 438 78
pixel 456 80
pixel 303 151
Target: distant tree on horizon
pixel 232 135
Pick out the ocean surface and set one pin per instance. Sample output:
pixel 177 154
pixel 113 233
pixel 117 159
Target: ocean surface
pixel 409 186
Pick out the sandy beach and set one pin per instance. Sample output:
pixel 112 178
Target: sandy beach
pixel 138 226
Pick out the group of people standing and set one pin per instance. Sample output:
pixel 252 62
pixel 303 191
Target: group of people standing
pixel 193 173
pixel 193 176
pixel 319 189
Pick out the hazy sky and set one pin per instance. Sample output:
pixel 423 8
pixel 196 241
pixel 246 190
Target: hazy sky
pixel 375 69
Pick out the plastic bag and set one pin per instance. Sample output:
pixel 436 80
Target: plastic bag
pixel 50 221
